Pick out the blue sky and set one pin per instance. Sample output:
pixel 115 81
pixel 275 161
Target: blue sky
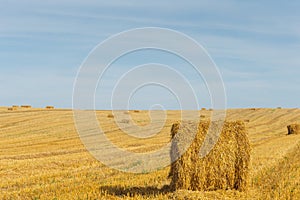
pixel 255 45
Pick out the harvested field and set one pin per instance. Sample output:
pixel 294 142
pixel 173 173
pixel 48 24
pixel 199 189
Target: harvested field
pixel 42 157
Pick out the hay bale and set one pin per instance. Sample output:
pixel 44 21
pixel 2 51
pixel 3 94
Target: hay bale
pixel 50 107
pixel 110 116
pixel 202 116
pixel 12 108
pixel 25 106
pixel 247 120
pixel 203 108
pixel 136 111
pixel 15 106
pixel 293 129
pixel 225 167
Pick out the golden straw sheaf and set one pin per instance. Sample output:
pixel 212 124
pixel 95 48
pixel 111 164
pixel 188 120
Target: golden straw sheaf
pixel 293 129
pixel 227 165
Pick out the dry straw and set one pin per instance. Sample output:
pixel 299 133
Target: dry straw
pixel 225 167
pixel 293 129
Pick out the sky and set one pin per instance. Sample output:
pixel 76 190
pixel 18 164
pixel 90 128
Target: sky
pixel 255 45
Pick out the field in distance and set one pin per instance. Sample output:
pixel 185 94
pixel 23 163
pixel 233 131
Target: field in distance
pixel 42 157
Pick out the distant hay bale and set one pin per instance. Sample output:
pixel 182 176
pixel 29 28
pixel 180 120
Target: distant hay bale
pixel 225 167
pixel 25 106
pixel 279 108
pixel 136 111
pixel 210 109
pixel 293 129
pixel 203 108
pixel 202 116
pixel 110 116
pixel 12 108
pixel 252 108
pixel 50 107
pixel 15 106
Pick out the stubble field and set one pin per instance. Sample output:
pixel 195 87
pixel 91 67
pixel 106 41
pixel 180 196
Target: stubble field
pixel 42 157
